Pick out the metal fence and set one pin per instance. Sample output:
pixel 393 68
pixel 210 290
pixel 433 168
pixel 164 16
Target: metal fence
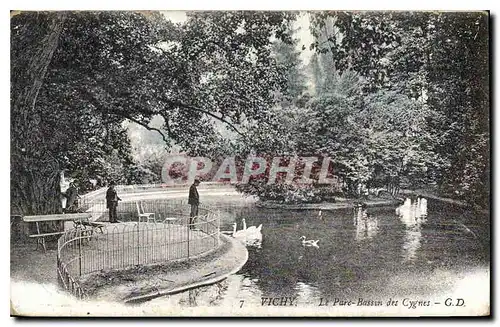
pixel 88 249
pixel 129 210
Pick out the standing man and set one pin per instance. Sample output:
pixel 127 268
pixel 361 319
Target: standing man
pixel 194 201
pixel 112 202
pixel 72 196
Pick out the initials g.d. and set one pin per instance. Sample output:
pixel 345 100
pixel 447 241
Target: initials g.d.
pixel 449 302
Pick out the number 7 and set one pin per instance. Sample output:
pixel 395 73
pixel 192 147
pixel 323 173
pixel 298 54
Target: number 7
pixel 242 301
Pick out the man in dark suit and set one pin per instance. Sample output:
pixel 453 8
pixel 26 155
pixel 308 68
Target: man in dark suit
pixel 72 196
pixel 194 201
pixel 112 202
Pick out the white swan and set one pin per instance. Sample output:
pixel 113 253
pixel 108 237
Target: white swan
pixel 249 239
pixel 256 243
pixel 251 229
pixel 309 242
pixel 252 233
pixel 238 234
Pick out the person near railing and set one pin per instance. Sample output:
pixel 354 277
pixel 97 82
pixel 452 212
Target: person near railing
pixel 72 198
pixel 194 201
pixel 112 202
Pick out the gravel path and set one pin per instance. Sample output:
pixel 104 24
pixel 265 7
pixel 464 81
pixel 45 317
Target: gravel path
pixel 26 264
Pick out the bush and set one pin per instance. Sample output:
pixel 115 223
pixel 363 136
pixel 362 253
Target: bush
pixel 287 193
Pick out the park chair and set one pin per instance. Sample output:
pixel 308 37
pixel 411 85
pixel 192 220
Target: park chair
pixel 147 215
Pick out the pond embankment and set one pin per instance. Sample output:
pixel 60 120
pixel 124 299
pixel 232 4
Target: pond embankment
pixel 340 204
pixel 143 283
pixel 139 283
pixel 343 203
pixel 434 196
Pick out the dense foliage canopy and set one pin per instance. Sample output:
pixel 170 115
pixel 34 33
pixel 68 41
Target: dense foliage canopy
pixel 398 98
pixel 99 69
pixel 392 97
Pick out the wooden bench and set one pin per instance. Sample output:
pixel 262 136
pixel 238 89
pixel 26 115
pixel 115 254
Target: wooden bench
pixel 77 218
pixel 40 238
pixel 92 224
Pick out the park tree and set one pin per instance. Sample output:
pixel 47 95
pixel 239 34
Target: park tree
pixel 34 171
pixel 287 56
pixel 361 119
pixel 459 93
pixel 438 61
pixel 357 41
pixel 103 68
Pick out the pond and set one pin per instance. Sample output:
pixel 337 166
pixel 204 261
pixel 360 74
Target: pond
pixel 418 249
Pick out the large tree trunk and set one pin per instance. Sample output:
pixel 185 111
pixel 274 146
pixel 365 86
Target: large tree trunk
pixel 34 170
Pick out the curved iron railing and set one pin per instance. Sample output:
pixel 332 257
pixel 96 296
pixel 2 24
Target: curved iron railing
pixel 87 249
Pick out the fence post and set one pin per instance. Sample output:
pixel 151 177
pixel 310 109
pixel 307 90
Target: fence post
pixel 138 245
pixel 58 259
pixel 189 230
pixel 79 255
pixel 218 227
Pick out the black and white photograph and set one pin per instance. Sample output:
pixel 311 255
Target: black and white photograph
pixel 250 163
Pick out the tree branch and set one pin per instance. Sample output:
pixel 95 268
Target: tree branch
pixel 173 103
pixel 120 113
pixel 331 49
pixel 143 124
pixel 167 125
pixel 193 108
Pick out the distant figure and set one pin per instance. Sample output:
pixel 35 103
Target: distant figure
pixel 72 195
pixel 112 202
pixel 194 201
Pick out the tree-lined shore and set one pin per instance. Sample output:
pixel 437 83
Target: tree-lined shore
pixel 393 98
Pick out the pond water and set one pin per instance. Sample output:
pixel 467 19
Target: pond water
pixel 418 249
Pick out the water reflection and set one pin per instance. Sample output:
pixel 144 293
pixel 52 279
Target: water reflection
pixel 307 292
pixel 343 266
pixel 240 286
pixel 412 214
pixel 366 225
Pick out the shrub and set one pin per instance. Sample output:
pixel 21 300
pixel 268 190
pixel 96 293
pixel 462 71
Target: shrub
pixel 287 193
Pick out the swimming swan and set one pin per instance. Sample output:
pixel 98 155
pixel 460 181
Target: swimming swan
pixel 250 239
pixel 309 242
pixel 251 229
pixel 241 234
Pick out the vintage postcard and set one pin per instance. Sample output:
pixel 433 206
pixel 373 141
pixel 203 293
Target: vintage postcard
pixel 250 163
